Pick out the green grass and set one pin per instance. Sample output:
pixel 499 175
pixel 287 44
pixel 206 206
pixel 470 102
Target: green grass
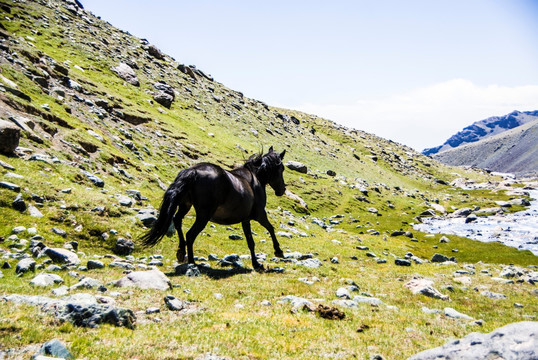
pixel 400 186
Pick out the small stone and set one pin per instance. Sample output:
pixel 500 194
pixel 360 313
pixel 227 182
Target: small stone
pixel 25 265
pixel 45 279
pixel 235 237
pixel 33 211
pixel 439 258
pixel 335 260
pixel 153 310
pixel 173 303
pixel 19 204
pixel 60 232
pixel 452 313
pixel 402 262
pixel 54 349
pixel 343 293
pixel 10 186
pixel 123 247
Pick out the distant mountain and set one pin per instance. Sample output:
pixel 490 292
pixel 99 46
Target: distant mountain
pixel 484 129
pixel 511 151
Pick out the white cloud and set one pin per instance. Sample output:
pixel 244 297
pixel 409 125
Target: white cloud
pixel 426 117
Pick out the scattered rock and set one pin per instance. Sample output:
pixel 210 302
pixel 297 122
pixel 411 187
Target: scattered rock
pixel 123 247
pixel 86 283
pixel 190 270
pixel 513 341
pixel 9 137
pixel 452 313
pixel 33 211
pixel 148 216
pixel 295 301
pixel 492 295
pixel 173 303
pixel 79 309
pixel 95 264
pixel 9 186
pixel 94 179
pixel 19 204
pixel 45 279
pixel 61 256
pixel 24 266
pixel 152 279
pixel 425 287
pixel 127 73
pixel 402 262
pixel 297 166
pixel 53 348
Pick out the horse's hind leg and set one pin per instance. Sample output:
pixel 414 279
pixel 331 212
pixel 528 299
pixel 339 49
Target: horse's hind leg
pixel 178 221
pixel 197 227
pixel 250 242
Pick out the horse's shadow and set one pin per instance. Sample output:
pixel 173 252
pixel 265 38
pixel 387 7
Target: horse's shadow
pixel 194 270
pixel 210 272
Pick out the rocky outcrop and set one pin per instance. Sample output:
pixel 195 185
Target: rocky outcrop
pixel 517 341
pixel 9 137
pixel 127 73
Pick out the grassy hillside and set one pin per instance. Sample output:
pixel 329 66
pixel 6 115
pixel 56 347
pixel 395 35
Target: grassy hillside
pixel 56 77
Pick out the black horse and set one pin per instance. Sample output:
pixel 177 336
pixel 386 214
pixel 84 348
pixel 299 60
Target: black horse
pixel 224 197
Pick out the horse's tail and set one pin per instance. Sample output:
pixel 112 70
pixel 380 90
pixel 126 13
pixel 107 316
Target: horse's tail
pixel 172 198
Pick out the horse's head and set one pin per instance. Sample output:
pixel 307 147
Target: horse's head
pixel 271 169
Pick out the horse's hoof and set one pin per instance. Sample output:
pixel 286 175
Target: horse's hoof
pixel 279 254
pixel 181 258
pixel 259 268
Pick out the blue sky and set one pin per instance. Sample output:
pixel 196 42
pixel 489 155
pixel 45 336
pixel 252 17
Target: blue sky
pixel 411 71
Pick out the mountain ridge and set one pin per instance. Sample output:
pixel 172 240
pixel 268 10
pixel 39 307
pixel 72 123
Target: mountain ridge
pixel 484 129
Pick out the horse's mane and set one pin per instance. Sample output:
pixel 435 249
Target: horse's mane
pixel 254 163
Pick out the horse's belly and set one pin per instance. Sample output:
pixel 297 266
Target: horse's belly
pixel 227 216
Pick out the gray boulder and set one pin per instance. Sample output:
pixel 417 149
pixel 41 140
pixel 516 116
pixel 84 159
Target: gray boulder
pixel 61 256
pixel 9 137
pixel 148 216
pixel 53 348
pixel 127 73
pixel 517 341
pixel 25 265
pixel 153 279
pixel 123 247
pixel 46 280
pixel 297 166
pixel 19 204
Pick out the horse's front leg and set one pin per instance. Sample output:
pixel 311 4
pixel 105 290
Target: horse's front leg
pixel 267 225
pixel 250 241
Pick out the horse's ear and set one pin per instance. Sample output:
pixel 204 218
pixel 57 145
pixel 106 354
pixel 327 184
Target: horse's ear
pixel 270 150
pixel 282 154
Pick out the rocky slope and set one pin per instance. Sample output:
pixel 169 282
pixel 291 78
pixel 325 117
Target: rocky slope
pixel 512 151
pixel 484 129
pixel 96 123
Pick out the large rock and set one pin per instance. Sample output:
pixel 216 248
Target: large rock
pixel 153 279
pixel 25 265
pixel 297 166
pixel 127 73
pixel 61 256
pixel 425 287
pixel 123 247
pixel 9 137
pixel 79 309
pixel 517 341
pixel 55 349
pixel 165 94
pixel 45 279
